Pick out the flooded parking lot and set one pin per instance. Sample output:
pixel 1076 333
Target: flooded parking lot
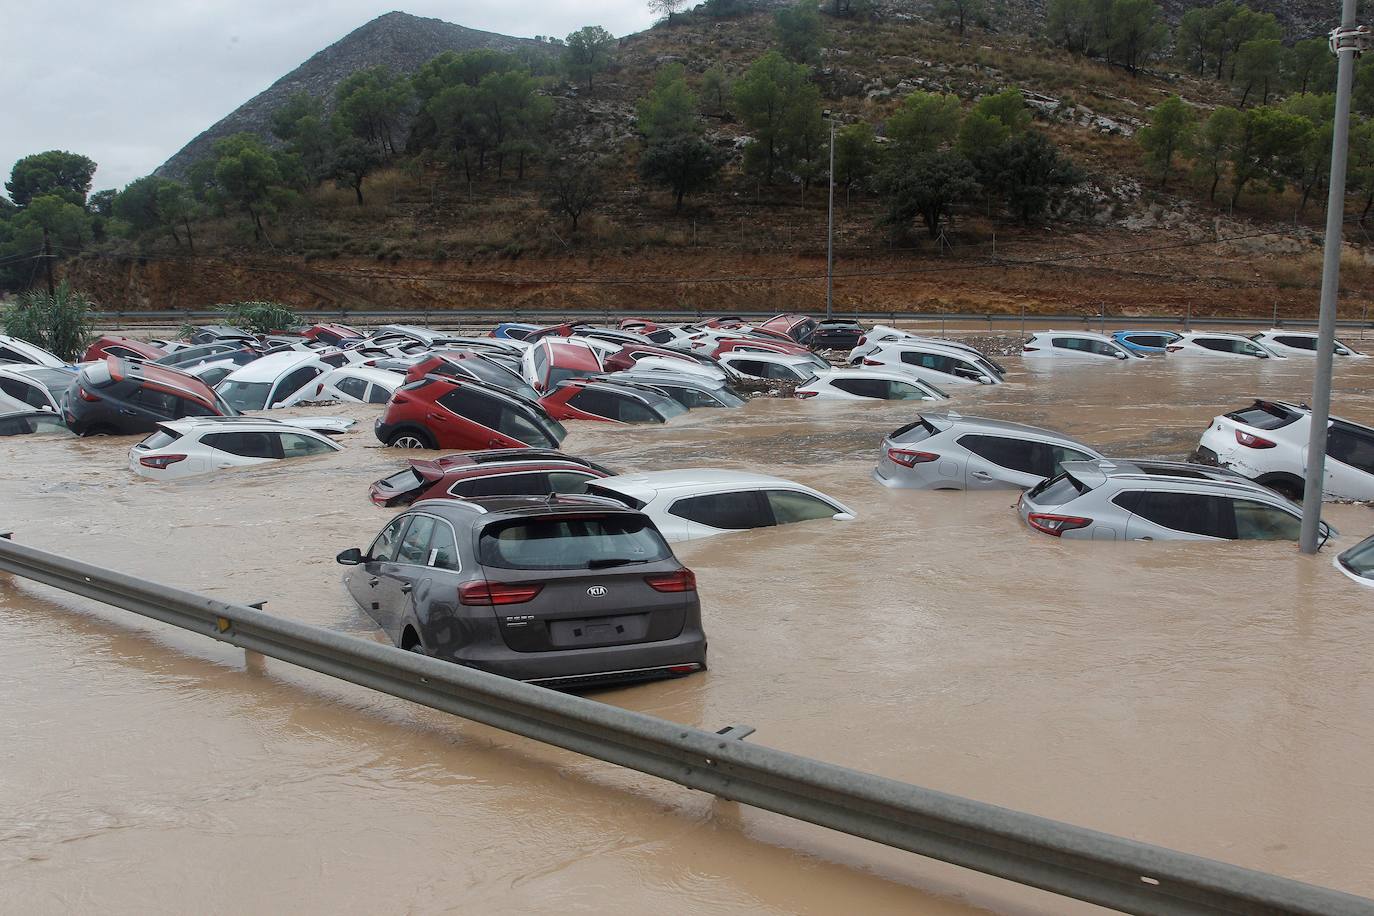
pixel 1214 698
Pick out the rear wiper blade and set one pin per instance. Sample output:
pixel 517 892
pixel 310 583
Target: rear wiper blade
pixel 612 561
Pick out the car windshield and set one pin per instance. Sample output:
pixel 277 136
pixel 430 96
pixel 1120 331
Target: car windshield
pixel 500 377
pixel 244 395
pixel 583 542
pixel 1360 559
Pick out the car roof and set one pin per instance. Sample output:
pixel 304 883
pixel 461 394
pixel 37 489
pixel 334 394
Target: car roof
pixel 35 371
pixel 940 349
pixel 1227 335
pixel 1091 335
pixel 163 377
pixel 767 356
pixel 483 509
pixel 984 424
pixel 693 479
pixel 268 368
pixel 571 354
pixel 370 373
pixel 238 424
pixel 658 377
pixel 891 375
pixel 1176 472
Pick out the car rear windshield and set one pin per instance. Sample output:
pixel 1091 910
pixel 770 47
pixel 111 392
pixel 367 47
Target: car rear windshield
pixel 1264 416
pixel 1058 490
pixel 160 439
pixel 919 431
pixel 580 542
pixel 245 395
pixel 97 374
pixel 594 490
pixel 408 479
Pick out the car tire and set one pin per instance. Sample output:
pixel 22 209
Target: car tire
pixel 100 431
pixel 412 439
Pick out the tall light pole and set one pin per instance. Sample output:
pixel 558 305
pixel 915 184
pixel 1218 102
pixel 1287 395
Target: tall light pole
pixel 1347 41
pixel 830 229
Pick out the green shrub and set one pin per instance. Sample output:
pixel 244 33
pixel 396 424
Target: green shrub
pixel 259 317
pixel 63 323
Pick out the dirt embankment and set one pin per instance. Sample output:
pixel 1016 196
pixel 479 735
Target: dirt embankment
pixel 1127 273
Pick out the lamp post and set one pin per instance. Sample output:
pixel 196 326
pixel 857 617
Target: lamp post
pixel 830 228
pixel 1347 42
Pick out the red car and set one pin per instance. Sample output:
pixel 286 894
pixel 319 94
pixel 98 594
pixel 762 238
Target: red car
pixel 335 335
pixel 795 327
pixel 439 412
pixel 467 364
pixel 630 354
pixel 549 361
pixel 620 402
pixel 499 472
pixel 757 344
pixel 638 325
pixel 123 347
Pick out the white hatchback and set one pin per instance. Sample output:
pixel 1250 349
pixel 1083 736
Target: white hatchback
pixel 1076 345
pixel 272 381
pixel 1216 344
pixel 186 448
pixel 781 367
pixel 935 363
pixel 351 384
pixel 699 503
pixel 1299 343
pixel 868 385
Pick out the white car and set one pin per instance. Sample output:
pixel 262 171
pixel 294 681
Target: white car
pixel 1075 345
pixel 185 448
pixel 691 504
pixel 681 367
pixel 42 387
pixel 781 367
pixel 14 350
pixel 1358 562
pixel 1299 343
pixel 1216 344
pixel 881 334
pixel 352 384
pixel 271 381
pixel 867 385
pixel 935 363
pixel 1267 442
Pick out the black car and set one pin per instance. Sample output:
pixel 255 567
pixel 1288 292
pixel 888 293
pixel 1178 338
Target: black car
pixel 215 333
pixel 119 397
pixel 834 334
pixel 564 591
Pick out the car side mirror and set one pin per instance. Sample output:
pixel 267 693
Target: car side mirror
pixel 350 557
pixel 1120 355
pixel 985 380
pixel 843 517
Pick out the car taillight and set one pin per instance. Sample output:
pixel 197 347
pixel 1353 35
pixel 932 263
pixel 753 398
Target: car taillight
pixel 87 396
pixel 399 398
pixel 1056 524
pixel 681 580
pixel 872 362
pixel 160 462
pixel 862 340
pixel 482 592
pixel 806 394
pixel 683 669
pixel 1029 349
pixel 908 458
pixel 1172 349
pixel 1250 440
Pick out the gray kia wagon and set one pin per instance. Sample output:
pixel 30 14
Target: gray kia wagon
pixel 564 591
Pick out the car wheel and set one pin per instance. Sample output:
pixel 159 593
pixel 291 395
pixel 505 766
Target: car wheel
pixel 410 440
pixel 100 432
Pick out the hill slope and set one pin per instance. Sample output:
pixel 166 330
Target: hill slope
pixel 399 40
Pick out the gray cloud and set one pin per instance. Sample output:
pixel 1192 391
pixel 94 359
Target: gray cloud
pixel 129 83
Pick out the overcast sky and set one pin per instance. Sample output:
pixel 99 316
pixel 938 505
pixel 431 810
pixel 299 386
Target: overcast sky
pixel 129 83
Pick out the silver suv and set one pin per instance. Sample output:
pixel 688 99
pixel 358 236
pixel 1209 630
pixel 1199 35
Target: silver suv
pixel 1114 500
pixel 953 452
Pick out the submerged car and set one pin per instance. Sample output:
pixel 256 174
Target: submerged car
pixel 954 452
pixel 471 365
pixel 606 399
pixel 118 397
pixel 941 365
pixel 691 391
pixel 553 359
pixel 1079 345
pixel 42 387
pixel 14 350
pixel 834 334
pixel 779 367
pixel 1267 442
pixel 275 380
pixel 1358 562
pixel 1158 501
pixel 702 502
pixel 568 592
pixel 126 347
pixel 1143 342
pixel 186 448
pixel 21 422
pixel 1214 344
pixel 496 472
pixel 440 412
pixel 868 384
pixel 1299 343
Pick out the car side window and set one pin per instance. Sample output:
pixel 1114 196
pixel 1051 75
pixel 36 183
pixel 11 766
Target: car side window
pixel 414 547
pixel 594 401
pixel 532 484
pixel 29 394
pixel 514 423
pixel 1013 454
pixel 1260 522
pixel 476 406
pixel 790 506
pixel 731 511
pixel 294 382
pixel 864 387
pixel 628 410
pixel 1193 513
pixel 1209 343
pixel 377 394
pixel 10 356
pixel 385 546
pixel 160 402
pixel 570 482
pixel 905 391
pixel 1351 446
pixel 443 550
pixel 294 445
pixel 353 387
pixel 245 445
pixel 1052 458
pixel 189 408
pixel 1297 343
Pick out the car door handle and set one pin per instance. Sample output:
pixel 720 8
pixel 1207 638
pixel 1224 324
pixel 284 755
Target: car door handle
pixel 437 417
pixel 407 588
pixel 982 475
pixel 373 581
pixel 127 412
pixel 1145 538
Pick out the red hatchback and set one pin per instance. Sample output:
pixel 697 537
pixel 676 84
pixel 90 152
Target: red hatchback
pixel 124 348
pixel 620 402
pixel 439 412
pixel 500 472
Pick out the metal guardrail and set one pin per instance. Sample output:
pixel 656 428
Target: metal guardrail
pixel 1073 861
pixel 114 319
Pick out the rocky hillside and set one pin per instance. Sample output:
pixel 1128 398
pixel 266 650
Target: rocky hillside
pixel 399 40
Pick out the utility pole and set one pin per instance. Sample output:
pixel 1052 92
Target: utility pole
pixel 47 262
pixel 830 229
pixel 1347 42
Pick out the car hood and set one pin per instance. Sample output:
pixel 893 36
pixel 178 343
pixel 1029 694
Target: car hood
pixel 322 424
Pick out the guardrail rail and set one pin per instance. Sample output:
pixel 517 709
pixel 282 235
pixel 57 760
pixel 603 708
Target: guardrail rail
pixel 1072 861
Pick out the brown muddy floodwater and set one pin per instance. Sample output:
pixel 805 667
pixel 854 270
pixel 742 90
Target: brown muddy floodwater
pixel 1213 698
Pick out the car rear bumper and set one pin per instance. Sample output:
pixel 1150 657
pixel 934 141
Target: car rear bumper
pixel 682 655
